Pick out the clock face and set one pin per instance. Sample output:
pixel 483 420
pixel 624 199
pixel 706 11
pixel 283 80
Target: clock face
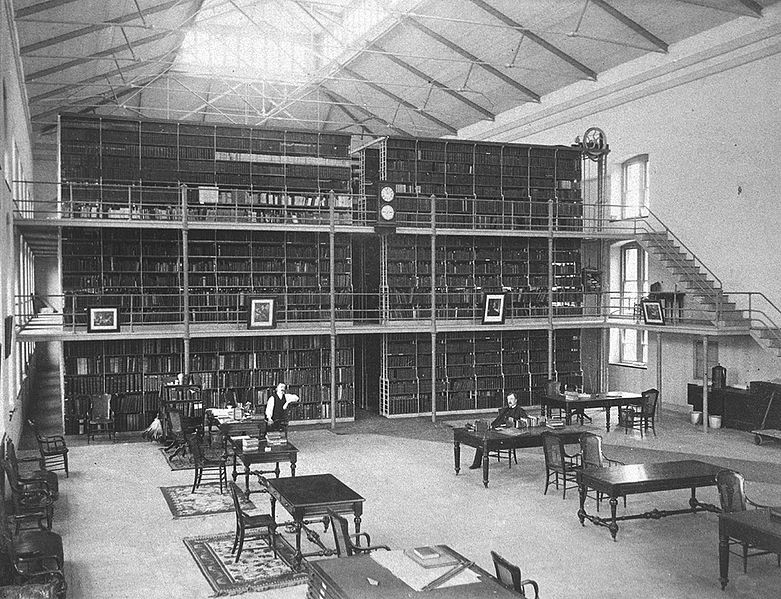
pixel 387 212
pixel 387 194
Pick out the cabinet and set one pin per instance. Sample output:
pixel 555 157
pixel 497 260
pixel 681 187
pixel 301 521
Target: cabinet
pixel 743 409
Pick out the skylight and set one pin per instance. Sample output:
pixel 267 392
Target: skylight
pixel 285 41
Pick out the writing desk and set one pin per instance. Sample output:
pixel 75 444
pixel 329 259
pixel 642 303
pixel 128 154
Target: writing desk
pixel 752 526
pixel 308 499
pixel 348 579
pixel 264 454
pixel 618 481
pixel 509 438
pixel 601 400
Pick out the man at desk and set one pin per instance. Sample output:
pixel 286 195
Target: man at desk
pixel 277 404
pixel 507 415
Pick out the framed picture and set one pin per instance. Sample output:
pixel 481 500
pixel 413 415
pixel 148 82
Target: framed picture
pixel 652 312
pixel 260 313
pixel 493 308
pixel 9 334
pixel 103 320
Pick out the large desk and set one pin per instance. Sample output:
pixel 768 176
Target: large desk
pixel 505 438
pixel 265 454
pixel 619 481
pixel 398 577
pixel 308 497
pixel 753 526
pixel 601 400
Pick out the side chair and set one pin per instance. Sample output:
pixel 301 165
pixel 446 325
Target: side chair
pixel 640 417
pixel 592 457
pixel 732 494
pixel 344 541
pixel 213 465
pixel 31 500
pixel 100 417
pixel 559 464
pixel 245 521
pixel 509 575
pixel 50 478
pixel 54 451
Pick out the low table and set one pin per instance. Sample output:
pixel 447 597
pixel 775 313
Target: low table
pixel 394 574
pixel 753 526
pixel 618 481
pixel 308 499
pixel 601 400
pixel 506 438
pixel 264 454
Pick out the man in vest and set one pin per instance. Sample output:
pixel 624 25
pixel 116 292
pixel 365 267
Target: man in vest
pixel 276 407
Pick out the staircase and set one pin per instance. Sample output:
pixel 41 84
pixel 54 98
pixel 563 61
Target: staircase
pixel 756 313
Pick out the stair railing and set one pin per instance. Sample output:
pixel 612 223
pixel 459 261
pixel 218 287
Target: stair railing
pixel 650 222
pixel 766 314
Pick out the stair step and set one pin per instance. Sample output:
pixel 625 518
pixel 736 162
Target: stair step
pixel 770 334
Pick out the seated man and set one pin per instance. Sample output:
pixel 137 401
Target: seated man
pixel 507 415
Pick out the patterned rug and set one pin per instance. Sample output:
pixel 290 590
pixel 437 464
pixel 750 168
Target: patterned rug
pixel 257 569
pixel 206 500
pixel 185 462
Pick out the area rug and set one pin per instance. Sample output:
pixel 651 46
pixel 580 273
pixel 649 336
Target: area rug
pixel 257 569
pixel 206 500
pixel 178 462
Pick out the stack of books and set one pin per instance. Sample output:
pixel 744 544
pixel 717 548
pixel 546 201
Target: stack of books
pixel 276 438
pixel 554 423
pixel 528 421
pixel 250 444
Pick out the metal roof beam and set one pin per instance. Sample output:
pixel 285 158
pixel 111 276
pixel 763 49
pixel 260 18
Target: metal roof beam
pixel 530 35
pixel 632 24
pixel 438 84
pixel 378 88
pixel 108 52
pixel 474 59
pixel 58 39
pixel 34 9
pixel 754 7
pixel 749 8
pixel 342 101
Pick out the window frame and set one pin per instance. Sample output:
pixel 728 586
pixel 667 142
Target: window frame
pixel 635 207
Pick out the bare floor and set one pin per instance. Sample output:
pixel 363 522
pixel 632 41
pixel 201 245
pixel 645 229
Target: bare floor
pixel 122 542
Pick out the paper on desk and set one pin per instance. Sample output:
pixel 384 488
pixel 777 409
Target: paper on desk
pixel 415 575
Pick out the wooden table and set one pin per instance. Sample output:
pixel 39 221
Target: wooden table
pixel 505 438
pixel 349 579
pixel 308 499
pixel 753 526
pixel 601 400
pixel 619 481
pixel 264 454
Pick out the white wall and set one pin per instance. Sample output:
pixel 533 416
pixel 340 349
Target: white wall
pixel 14 141
pixel 708 116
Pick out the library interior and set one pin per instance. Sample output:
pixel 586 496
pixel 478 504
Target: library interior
pixel 270 268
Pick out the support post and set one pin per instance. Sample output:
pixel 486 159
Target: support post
pixel 433 310
pixel 332 293
pixel 185 283
pixel 659 374
pixel 705 383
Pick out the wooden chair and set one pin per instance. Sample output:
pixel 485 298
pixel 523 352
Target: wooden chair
pixel 343 540
pixel 177 440
pixel 54 451
pixel 591 456
pixel 50 478
pixel 245 521
pixel 32 500
pixel 639 417
pixel 559 464
pixel 36 561
pixel 212 466
pixel 100 417
pixel 509 575
pixel 732 493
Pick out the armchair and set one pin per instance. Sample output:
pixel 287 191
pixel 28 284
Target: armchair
pixel 509 575
pixel 593 457
pixel 343 540
pixel 559 464
pixel 639 417
pixel 245 521
pixel 45 475
pixel 31 500
pixel 100 417
pixel 54 451
pixel 732 494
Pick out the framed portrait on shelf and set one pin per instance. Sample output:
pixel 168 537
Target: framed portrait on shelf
pixel 261 313
pixel 493 308
pixel 103 320
pixel 652 312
